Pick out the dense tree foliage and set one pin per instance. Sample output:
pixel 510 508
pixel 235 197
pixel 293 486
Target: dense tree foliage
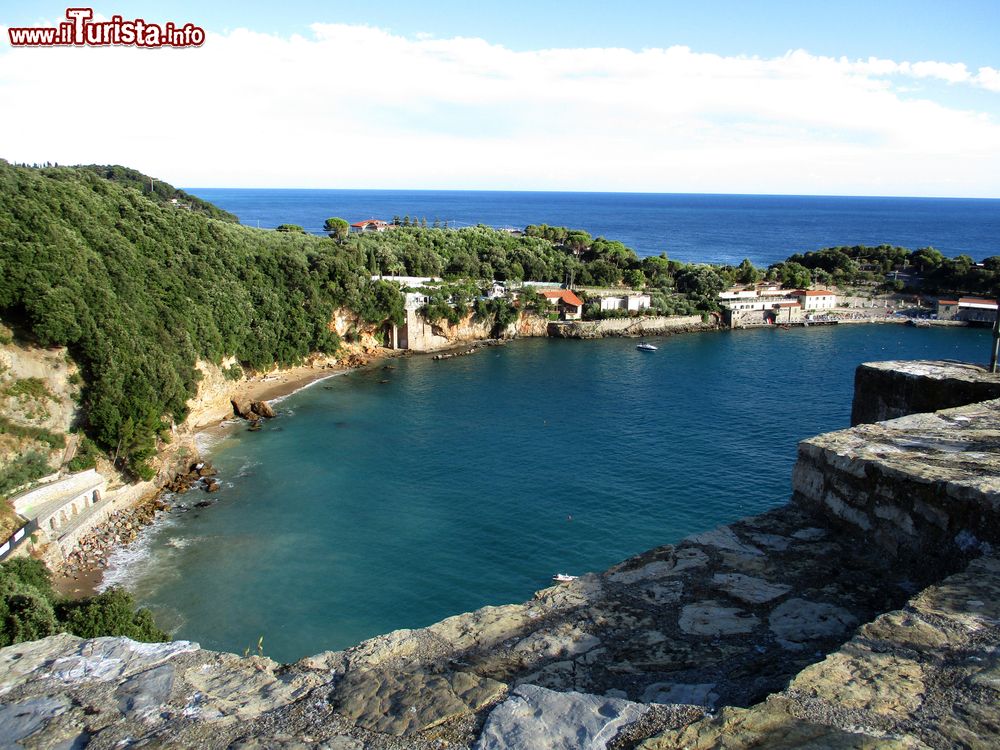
pixel 336 228
pixel 926 269
pixel 159 191
pixel 139 291
pixel 30 609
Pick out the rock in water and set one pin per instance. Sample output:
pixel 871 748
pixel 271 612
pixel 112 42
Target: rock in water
pixel 263 409
pixel 242 408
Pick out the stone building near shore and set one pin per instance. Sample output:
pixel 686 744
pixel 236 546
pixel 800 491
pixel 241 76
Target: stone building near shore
pixel 771 305
pixel 968 309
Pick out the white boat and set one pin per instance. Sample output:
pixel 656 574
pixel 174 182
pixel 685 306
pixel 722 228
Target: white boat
pixel 563 578
pixel 642 346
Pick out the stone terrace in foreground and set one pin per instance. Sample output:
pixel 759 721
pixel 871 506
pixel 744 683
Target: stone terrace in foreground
pixel 865 613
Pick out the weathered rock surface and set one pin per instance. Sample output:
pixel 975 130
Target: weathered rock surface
pixel 924 487
pixel 920 677
pixel 242 408
pixel 546 720
pixel 263 409
pixel 887 390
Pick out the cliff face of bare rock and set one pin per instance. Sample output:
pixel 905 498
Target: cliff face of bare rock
pixel 821 623
pixel 38 392
pixel 425 336
pixel 646 325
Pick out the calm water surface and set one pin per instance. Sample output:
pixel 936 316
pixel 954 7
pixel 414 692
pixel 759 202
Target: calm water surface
pixel 689 227
pixel 369 506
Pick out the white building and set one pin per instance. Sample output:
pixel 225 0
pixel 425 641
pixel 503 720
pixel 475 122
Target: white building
pixel 370 225
pixel 974 309
pixel 738 295
pixel 816 299
pixel 630 302
pixel 408 282
pixel 496 290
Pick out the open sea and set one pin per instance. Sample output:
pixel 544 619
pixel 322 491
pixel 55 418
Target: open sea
pixel 392 498
pixel 698 228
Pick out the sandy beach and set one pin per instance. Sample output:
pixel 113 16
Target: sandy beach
pixel 211 421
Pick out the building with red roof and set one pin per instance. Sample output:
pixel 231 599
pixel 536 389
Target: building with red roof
pixel 370 225
pixel 570 306
pixel 969 309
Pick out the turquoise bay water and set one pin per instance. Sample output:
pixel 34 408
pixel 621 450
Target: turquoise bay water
pixel 369 506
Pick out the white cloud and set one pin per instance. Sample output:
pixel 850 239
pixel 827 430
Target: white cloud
pixel 989 78
pixel 355 106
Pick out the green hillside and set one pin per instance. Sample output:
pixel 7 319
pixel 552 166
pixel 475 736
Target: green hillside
pixel 138 289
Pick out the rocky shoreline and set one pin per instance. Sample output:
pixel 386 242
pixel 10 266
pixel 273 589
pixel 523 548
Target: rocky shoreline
pixel 476 347
pixel 251 401
pixel 119 530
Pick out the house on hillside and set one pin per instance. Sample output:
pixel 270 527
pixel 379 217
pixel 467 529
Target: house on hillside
pixel 496 290
pixel 570 306
pixel 630 302
pixel 969 309
pixel 369 225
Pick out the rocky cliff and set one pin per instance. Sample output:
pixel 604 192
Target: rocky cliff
pixel 646 325
pixel 425 336
pixel 38 392
pixel 822 623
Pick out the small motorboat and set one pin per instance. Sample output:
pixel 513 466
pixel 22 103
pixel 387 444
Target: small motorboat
pixel 644 346
pixel 563 578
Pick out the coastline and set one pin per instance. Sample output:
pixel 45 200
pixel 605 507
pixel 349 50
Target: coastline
pixel 273 387
pixel 278 385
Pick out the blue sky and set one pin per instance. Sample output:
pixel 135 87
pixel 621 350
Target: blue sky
pixel 961 30
pixel 717 96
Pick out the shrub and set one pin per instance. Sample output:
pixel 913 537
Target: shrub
pixel 52 439
pixel 27 467
pixel 233 372
pixel 86 456
pixel 34 388
pixel 112 612
pixel 26 616
pixel 27 572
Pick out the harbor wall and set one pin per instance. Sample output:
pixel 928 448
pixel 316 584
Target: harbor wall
pixel 644 325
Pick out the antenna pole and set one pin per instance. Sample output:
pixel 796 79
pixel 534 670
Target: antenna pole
pixel 996 341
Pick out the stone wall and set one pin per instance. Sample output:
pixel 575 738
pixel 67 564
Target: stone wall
pixel 122 498
pixel 886 390
pixel 925 487
pixel 644 325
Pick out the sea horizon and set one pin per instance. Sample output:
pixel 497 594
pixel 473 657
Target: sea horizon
pixel 593 192
pixel 720 228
